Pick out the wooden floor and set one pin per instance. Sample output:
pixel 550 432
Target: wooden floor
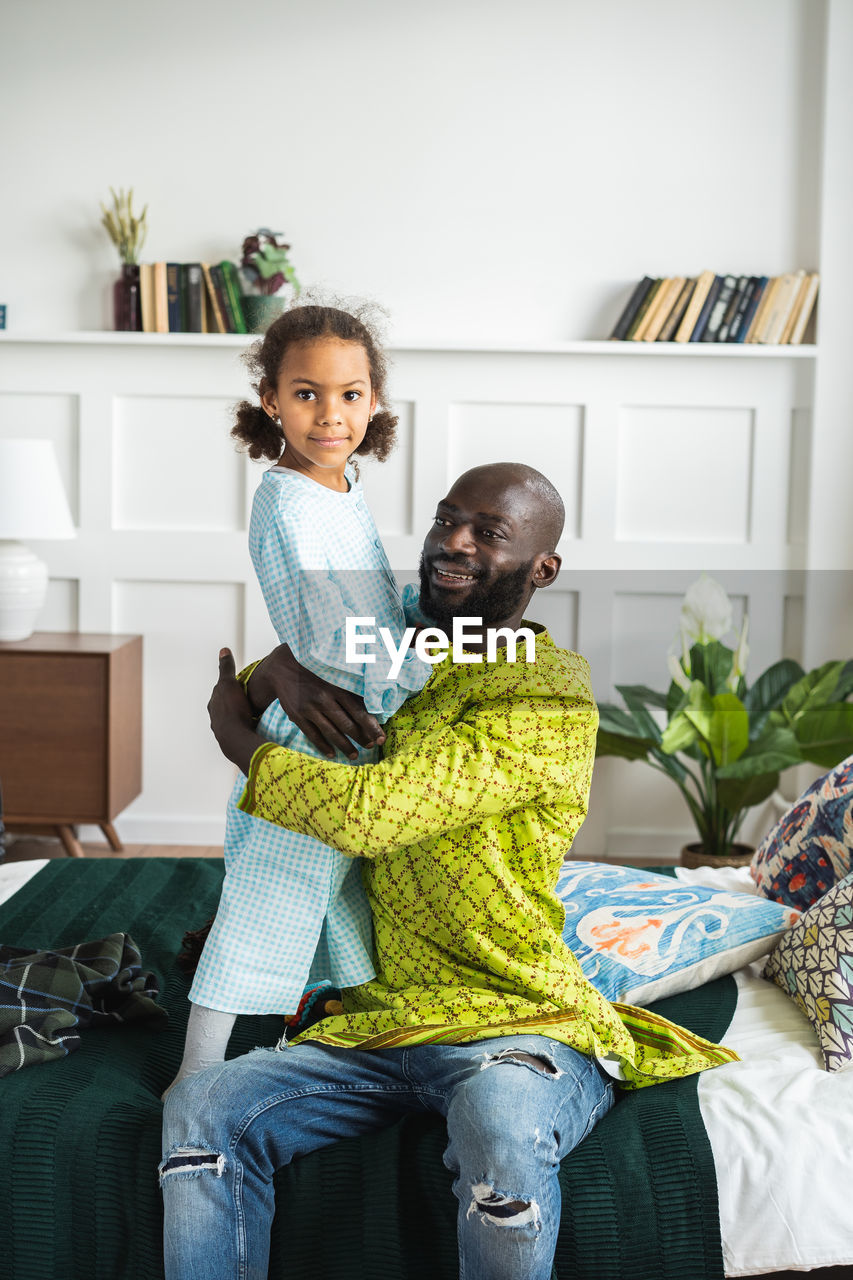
pixel 22 848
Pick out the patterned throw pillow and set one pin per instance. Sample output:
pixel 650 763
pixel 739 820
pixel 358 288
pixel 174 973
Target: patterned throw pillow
pixel 640 936
pixel 811 847
pixel 813 964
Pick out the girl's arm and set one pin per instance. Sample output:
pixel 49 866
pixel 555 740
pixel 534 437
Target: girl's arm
pixel 331 718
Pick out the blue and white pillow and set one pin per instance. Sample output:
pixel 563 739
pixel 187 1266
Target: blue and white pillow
pixel 640 936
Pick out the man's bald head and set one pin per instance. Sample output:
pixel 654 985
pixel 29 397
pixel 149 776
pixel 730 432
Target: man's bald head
pixel 535 492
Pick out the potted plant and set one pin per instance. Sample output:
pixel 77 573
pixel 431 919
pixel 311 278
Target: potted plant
pixel 127 233
pixel 724 742
pixel 267 277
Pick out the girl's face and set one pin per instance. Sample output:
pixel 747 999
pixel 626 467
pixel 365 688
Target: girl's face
pixel 324 400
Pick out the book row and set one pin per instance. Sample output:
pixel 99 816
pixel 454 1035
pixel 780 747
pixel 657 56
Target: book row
pixel 190 297
pixel 721 308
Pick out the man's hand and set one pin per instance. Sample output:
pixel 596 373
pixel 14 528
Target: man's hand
pixel 231 717
pixel 331 718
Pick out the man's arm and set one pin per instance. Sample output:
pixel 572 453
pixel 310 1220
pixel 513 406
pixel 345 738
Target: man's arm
pixel 439 781
pixel 331 718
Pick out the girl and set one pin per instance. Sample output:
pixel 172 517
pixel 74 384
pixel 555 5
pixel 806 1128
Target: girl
pixel 293 913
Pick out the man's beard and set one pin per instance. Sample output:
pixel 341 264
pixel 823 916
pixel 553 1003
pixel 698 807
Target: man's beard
pixel 494 600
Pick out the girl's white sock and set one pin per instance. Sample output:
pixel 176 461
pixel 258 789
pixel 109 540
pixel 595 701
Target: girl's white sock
pixel 208 1033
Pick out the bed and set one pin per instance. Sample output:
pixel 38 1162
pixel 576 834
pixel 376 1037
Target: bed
pixel 743 1171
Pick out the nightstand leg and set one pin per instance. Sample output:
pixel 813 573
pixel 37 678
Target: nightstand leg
pixel 70 843
pixel 112 837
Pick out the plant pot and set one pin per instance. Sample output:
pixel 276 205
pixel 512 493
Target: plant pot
pixel 693 855
pixel 127 314
pixel 259 311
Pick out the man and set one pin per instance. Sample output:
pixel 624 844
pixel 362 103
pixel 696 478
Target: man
pixel 478 1010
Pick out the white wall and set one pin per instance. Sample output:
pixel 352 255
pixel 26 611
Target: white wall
pixel 483 167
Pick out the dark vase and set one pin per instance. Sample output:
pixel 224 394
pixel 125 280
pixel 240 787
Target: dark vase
pixel 126 309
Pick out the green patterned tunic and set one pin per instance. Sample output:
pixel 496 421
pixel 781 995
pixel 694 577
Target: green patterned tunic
pixel 463 824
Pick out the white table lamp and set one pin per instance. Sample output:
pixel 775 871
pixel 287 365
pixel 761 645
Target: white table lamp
pixel 32 505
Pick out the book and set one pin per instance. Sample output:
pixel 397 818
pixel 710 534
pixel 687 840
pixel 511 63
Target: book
pixel 643 310
pixel 631 308
pixel 732 309
pixel 806 308
pixel 219 323
pixel 173 297
pixel 794 310
pixel 146 296
pixel 694 307
pixel 231 281
pixel 208 324
pixel 725 293
pixel 161 299
pixel 676 314
pixel 746 308
pixel 707 308
pixel 222 298
pixel 652 310
pixel 668 296
pixel 192 286
pixel 761 312
pixel 780 308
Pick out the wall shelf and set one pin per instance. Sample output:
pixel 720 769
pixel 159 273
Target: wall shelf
pixel 643 350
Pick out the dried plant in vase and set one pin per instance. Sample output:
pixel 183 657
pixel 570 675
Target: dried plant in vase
pixel 127 232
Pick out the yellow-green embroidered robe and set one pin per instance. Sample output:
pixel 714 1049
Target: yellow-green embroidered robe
pixel 464 823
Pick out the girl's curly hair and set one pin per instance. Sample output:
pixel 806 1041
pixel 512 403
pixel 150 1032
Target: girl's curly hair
pixel 305 322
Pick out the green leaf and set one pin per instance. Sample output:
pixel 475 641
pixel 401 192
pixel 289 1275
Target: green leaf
pixel 769 691
pixel 635 703
pixel 615 720
pixel 642 693
pixel 814 690
pixel 776 750
pixel 720 721
pixel 728 731
pixel 676 700
pixel 679 734
pixel 743 793
pixel 825 734
pixel 711 664
pixel 618 744
pixel 845 684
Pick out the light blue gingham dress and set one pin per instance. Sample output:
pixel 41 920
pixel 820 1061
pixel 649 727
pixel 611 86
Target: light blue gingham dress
pixel 293 911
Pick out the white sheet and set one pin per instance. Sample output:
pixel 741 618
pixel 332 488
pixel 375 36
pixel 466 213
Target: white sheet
pixel 780 1128
pixel 13 875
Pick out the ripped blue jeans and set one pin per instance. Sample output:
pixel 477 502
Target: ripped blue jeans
pixel 515 1106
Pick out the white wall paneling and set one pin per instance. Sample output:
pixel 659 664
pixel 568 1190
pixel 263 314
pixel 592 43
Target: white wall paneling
pixel 643 448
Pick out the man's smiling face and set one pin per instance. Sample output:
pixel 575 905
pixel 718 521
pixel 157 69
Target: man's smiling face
pixel 482 558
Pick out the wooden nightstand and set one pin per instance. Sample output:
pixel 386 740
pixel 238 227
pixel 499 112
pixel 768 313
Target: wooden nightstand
pixel 70 732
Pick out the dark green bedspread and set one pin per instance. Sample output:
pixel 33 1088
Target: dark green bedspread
pixel 79 1138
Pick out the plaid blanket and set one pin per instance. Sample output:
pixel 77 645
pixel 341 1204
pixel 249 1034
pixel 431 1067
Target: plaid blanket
pixel 48 997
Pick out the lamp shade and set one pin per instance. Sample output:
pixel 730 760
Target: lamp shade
pixel 32 497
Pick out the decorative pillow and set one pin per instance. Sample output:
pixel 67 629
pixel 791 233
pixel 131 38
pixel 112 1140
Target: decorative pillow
pixel 811 847
pixel 640 936
pixel 813 964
